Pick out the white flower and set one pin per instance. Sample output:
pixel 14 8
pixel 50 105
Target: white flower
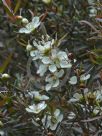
pixel 52 122
pixel 53 81
pixel 31 26
pixel 36 108
pixel 57 59
pixel 42 50
pixel 76 97
pixel 84 77
pixel 73 80
pixel 60 59
pixel 38 96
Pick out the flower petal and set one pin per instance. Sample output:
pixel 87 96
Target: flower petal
pixel 30 26
pixel 24 30
pixel 48 87
pixel 65 64
pixel 55 83
pixel 49 79
pixel 62 55
pixel 35 44
pixel 41 105
pixel 46 60
pixel 29 110
pixel 84 77
pixel 36 21
pixel 36 108
pixel 52 68
pixel 60 73
pixel 40 48
pixel 73 80
pixel 60 117
pixel 42 69
pixel 44 97
pixel 35 54
pixel 53 126
pixel 57 113
pixel 46 121
pixel 54 53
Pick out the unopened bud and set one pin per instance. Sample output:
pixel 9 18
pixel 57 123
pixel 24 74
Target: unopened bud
pixel 28 47
pixel 25 21
pixel 47 1
pixel 5 76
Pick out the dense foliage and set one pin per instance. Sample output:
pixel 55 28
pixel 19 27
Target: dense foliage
pixel 50 68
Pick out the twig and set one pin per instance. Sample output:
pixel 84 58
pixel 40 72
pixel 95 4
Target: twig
pixel 89 24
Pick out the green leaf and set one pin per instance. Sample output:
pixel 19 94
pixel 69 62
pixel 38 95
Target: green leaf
pixel 5 64
pixel 17 6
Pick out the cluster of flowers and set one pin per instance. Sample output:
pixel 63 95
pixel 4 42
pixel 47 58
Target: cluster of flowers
pixel 52 65
pixel 52 62
pixel 93 99
pixel 49 120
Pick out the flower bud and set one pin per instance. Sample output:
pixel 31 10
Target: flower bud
pixel 1 124
pixel 25 21
pixel 28 47
pixel 18 17
pixel 47 1
pixel 5 76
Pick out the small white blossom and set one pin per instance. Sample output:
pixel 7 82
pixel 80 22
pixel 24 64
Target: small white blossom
pixel 84 77
pixel 58 59
pixel 73 80
pixel 38 96
pixel 76 97
pixel 53 81
pixel 52 121
pixel 42 50
pixel 36 108
pixel 31 26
